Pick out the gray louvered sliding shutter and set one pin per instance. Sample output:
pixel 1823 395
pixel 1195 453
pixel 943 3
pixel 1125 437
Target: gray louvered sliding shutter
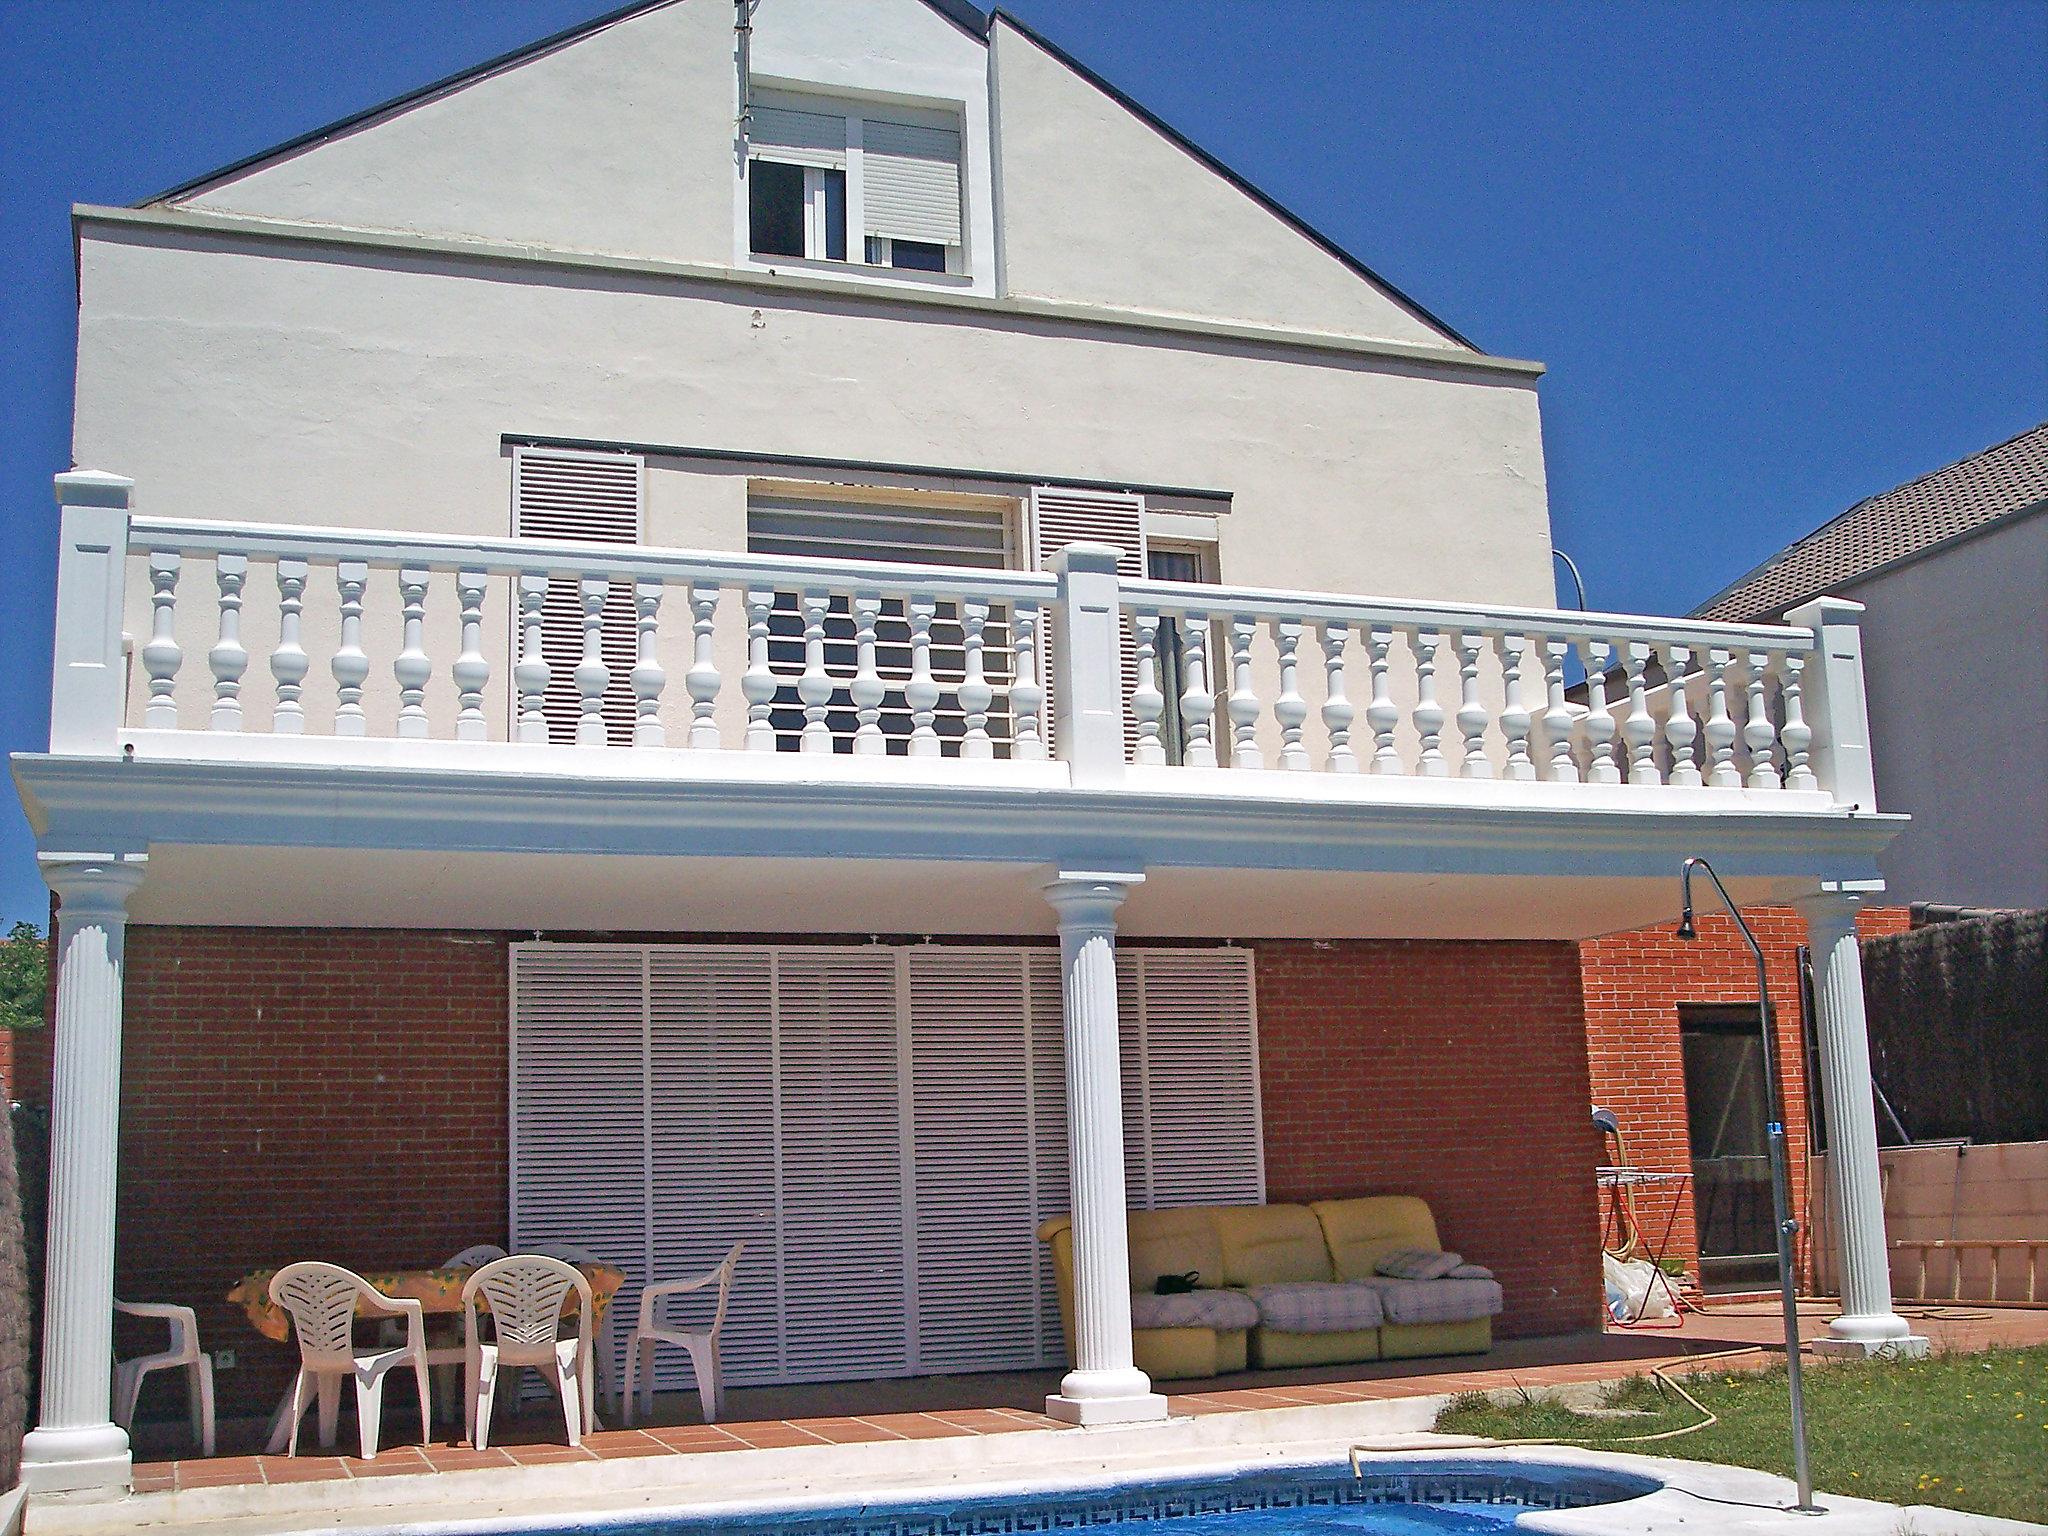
pixel 571 495
pixel 1060 517
pixel 1197 1042
pixel 910 179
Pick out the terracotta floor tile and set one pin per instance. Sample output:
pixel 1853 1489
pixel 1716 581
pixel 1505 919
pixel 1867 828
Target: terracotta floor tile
pixel 621 1444
pixel 919 1426
pixel 221 1472
pixel 466 1458
pixel 693 1439
pixel 303 1469
pixel 548 1455
pixel 161 1481
pixel 848 1431
pixel 769 1436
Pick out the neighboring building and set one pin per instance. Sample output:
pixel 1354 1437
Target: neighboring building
pixel 1952 569
pixel 639 631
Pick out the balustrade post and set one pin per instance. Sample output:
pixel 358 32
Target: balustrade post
pixel 229 658
pixel 1243 704
pixel 1515 722
pixel 1599 724
pixel 814 688
pixel 868 690
pixel 648 678
pixel 1027 693
pixel 1680 729
pixel 592 676
pixel 1290 709
pixel 1759 735
pixel 1338 711
pixel 1088 686
pixel 1836 709
pixel 288 663
pixel 1563 767
pixel 350 665
pixel 1639 729
pixel 1472 713
pixel 921 694
pixel 1796 735
pixel 1148 703
pixel 1198 697
pixel 472 670
pixel 702 678
pixel 1719 731
pixel 412 669
pixel 1428 713
pixel 975 694
pixel 162 656
pixel 757 684
pixel 531 672
pixel 89 678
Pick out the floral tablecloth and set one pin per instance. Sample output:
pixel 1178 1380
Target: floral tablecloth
pixel 436 1290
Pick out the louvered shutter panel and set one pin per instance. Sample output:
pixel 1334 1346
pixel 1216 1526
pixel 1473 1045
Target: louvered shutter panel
pixel 1060 517
pixel 1201 1066
pixel 799 138
pixel 580 1152
pixel 844 1260
pixel 910 180
pixel 972 1133
pixel 712 1059
pixel 566 494
pixel 1049 1130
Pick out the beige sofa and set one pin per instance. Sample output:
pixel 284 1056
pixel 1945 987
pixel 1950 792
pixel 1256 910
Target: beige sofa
pixel 1286 1285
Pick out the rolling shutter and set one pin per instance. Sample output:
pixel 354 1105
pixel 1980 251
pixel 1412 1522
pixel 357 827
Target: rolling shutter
pixel 884 1127
pixel 799 138
pixel 566 494
pixel 1060 517
pixel 910 180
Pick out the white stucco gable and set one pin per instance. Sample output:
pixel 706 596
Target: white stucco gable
pixel 1103 205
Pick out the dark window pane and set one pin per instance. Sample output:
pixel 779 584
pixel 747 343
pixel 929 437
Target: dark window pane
pixel 775 206
pixel 835 215
pixel 917 256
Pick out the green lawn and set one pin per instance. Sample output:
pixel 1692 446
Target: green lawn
pixel 1965 1431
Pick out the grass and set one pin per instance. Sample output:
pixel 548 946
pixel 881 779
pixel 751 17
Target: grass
pixel 1963 1431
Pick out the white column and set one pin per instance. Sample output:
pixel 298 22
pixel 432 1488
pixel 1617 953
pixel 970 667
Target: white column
pixel 1104 1387
pixel 77 1447
pixel 1087 667
pixel 1868 1325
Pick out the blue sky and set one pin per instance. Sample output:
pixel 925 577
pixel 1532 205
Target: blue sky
pixel 1777 256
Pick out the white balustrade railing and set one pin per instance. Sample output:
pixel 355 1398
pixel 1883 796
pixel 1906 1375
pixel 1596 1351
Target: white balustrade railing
pixel 290 632
pixel 1294 682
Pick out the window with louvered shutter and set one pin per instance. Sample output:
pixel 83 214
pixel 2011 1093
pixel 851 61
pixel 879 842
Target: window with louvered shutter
pixel 885 1128
pixel 1060 517
pixel 569 495
pixel 910 181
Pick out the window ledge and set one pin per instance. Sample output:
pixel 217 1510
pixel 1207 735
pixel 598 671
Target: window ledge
pixel 858 273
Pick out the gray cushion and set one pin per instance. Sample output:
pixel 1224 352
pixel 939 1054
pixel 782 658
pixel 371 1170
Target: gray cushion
pixel 1227 1310
pixel 1418 1263
pixel 1436 1301
pixel 1470 1272
pixel 1318 1306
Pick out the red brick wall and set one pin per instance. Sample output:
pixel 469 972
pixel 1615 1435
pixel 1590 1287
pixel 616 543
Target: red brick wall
pixel 341 1094
pixel 1634 985
pixel 1455 1071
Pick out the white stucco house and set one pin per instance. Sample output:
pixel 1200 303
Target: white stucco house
pixel 613 609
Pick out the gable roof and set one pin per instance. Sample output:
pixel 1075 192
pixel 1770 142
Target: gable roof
pixel 961 13
pixel 2005 481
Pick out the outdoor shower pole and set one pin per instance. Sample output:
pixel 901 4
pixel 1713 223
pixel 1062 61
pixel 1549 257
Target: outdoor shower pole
pixel 1781 1189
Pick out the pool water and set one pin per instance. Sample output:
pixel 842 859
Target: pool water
pixel 1394 1498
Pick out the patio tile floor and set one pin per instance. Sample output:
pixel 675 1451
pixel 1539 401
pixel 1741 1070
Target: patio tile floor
pixel 962 1406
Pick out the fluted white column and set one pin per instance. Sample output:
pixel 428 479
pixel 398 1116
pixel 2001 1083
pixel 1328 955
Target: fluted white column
pixel 1867 1325
pixel 1104 1386
pixel 76 1446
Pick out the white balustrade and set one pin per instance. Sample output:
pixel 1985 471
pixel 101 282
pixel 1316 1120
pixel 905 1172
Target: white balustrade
pixel 831 658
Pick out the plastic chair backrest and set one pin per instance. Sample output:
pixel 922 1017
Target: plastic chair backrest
pixel 474 1256
pixel 321 1300
pixel 726 1269
pixel 525 1293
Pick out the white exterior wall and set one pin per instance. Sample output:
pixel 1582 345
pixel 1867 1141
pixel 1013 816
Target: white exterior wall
pixel 1952 648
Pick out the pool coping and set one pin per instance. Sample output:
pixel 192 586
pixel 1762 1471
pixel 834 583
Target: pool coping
pixel 592 1495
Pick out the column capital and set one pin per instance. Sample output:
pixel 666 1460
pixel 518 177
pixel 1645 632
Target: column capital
pixel 1089 898
pixel 92 883
pixel 1829 909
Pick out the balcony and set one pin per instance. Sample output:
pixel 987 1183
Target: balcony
pixel 293 687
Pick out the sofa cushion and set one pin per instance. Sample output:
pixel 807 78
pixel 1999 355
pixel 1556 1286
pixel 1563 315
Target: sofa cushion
pixel 1470 1272
pixel 1418 1264
pixel 1318 1306
pixel 1436 1301
pixel 1271 1244
pixel 1227 1311
pixel 1362 1232
pixel 1172 1243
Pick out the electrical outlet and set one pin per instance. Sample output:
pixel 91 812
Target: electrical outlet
pixel 223 1359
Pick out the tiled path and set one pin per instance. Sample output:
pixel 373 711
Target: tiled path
pixel 952 1406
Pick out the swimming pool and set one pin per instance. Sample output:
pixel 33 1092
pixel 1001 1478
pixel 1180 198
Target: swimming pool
pixel 1392 1498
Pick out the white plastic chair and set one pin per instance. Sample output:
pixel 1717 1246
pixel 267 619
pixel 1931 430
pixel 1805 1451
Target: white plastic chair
pixel 570 1253
pixel 526 1293
pixel 445 1354
pixel 702 1343
pixel 322 1300
pixel 184 1354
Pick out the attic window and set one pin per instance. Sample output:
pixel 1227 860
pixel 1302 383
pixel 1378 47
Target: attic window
pixel 846 182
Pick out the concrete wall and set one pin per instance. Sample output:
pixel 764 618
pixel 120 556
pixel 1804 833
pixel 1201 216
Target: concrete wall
pixel 1934 1194
pixel 1953 647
